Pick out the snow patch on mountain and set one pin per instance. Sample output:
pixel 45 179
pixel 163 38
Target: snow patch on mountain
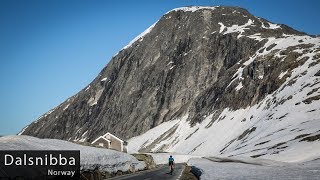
pixel 279 44
pixel 239 86
pixel 222 27
pixel 66 107
pixel 282 74
pixel 140 36
pixel 87 88
pixel 239 28
pixel 193 8
pixel 271 26
pixel 23 130
pixel 104 79
pixel 94 100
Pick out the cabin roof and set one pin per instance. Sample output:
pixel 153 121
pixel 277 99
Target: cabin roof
pixel 108 133
pixel 101 137
pixel 104 137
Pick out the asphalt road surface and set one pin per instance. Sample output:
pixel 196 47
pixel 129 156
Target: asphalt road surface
pixel 161 173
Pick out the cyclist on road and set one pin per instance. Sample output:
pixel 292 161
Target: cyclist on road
pixel 171 163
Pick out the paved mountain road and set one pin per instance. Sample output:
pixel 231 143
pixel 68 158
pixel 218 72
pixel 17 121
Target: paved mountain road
pixel 161 173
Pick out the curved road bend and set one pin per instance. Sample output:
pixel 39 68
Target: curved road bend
pixel 161 173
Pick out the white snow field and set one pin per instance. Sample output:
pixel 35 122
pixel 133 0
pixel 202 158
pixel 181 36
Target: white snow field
pixel 246 171
pixel 234 136
pixel 90 157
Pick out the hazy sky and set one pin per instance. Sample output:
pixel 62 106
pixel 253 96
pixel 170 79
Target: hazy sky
pixel 50 50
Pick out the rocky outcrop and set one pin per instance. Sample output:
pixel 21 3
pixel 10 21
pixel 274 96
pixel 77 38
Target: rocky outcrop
pixel 147 159
pixel 194 60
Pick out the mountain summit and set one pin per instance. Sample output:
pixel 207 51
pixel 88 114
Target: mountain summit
pixel 201 74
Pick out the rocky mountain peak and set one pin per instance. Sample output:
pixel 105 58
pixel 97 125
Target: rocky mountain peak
pixel 229 19
pixel 195 61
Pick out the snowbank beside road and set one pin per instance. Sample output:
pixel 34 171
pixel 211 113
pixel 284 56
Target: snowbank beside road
pixel 90 157
pixel 235 170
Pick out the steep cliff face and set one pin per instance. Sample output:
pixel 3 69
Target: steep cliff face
pixel 194 61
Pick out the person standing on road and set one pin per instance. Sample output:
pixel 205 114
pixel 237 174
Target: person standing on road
pixel 171 163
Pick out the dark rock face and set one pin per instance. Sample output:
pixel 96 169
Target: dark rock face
pixel 184 65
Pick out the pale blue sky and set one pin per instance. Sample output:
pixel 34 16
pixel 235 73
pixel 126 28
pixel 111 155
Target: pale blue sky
pixel 50 50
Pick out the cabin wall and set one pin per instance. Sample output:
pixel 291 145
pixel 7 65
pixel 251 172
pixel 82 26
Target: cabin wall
pixel 102 141
pixel 115 144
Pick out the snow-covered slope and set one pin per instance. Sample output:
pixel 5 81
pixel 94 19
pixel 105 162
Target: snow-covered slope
pixel 284 126
pixel 90 157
